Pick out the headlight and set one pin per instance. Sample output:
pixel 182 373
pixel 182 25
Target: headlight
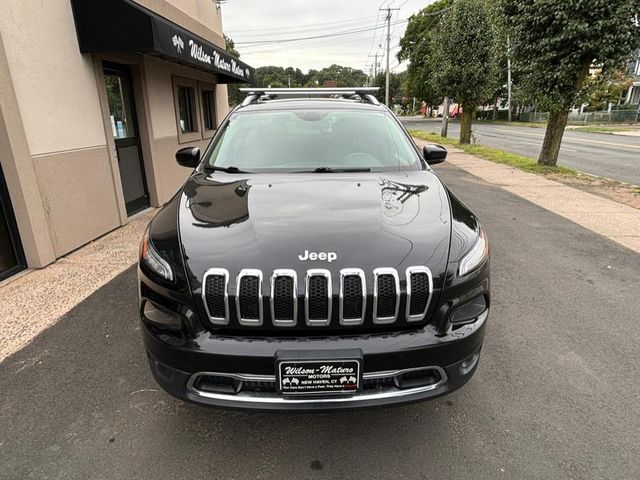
pixel 476 256
pixel 152 259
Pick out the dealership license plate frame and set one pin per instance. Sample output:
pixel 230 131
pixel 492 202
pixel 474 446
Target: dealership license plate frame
pixel 319 383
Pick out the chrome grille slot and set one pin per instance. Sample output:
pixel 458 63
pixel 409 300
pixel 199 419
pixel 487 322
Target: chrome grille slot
pixel 284 298
pixel 318 297
pixel 386 295
pixel 353 296
pixel 215 297
pixel 249 297
pixel 419 290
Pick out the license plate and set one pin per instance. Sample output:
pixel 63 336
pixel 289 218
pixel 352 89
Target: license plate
pixel 319 377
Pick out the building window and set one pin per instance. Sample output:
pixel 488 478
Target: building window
pixel 187 109
pixel 208 108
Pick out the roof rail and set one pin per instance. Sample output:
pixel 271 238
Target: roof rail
pixel 255 94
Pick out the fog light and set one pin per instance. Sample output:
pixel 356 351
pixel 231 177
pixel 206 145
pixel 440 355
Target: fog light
pixel 160 316
pixel 469 311
pixel 467 365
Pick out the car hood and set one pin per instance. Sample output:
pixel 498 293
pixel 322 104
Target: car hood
pixel 267 222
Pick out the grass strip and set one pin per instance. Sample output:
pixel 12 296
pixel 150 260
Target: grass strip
pixel 494 155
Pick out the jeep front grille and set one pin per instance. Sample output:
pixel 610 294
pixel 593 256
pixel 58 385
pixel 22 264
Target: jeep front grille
pixel 386 288
pixel 356 305
pixel 353 296
pixel 318 297
pixel 419 289
pixel 215 295
pixel 249 297
pixel 284 297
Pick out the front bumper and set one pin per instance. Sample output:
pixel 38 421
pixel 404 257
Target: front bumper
pixel 453 358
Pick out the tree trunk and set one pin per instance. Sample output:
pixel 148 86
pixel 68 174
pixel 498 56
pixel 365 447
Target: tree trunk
pixel 465 126
pixel 553 137
pixel 558 121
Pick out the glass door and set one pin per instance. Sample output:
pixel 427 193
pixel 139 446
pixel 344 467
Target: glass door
pixel 11 255
pixel 124 126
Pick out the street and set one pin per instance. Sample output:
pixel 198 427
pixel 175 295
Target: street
pixel 555 396
pixel 611 156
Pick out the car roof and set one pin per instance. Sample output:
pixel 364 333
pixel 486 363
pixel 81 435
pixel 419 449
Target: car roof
pixel 305 103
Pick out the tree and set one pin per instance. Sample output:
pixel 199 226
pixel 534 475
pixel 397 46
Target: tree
pixel 556 42
pixel 466 58
pixel 231 47
pixel 233 89
pixel 345 76
pixel 396 86
pixel 604 87
pixel 417 46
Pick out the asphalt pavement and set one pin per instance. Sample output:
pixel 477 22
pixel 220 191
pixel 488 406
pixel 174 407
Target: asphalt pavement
pixel 601 154
pixel 555 395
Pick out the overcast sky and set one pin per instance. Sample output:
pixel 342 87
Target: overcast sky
pixel 253 23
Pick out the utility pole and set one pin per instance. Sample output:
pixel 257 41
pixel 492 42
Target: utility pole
pixel 375 64
pixel 509 78
pixel 388 19
pixel 445 118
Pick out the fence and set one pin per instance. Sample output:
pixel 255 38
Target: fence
pixel 586 118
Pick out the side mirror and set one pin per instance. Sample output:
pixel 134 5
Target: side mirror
pixel 434 153
pixel 188 157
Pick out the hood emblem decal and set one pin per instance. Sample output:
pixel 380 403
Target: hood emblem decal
pixel 314 256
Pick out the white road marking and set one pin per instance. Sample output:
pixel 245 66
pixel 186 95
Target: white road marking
pixel 624 145
pixel 540 144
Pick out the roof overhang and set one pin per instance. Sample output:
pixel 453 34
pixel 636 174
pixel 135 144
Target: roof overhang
pixel 123 26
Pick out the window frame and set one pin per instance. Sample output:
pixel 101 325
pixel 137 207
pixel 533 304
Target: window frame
pixel 194 135
pixel 202 88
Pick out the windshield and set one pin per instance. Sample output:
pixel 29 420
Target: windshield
pixel 306 140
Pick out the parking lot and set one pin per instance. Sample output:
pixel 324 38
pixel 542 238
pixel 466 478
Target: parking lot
pixel 555 396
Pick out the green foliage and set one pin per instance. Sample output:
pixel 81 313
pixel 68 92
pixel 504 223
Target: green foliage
pixel 281 77
pixel 397 87
pixel 233 89
pixel 453 53
pixel 555 42
pixel 604 87
pixel 465 53
pixel 345 76
pixel 418 45
pixel 230 47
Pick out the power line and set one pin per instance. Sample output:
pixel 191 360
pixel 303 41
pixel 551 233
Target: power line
pixel 373 40
pixel 302 44
pixel 329 35
pixel 306 27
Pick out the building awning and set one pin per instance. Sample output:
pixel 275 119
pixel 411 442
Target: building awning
pixel 123 26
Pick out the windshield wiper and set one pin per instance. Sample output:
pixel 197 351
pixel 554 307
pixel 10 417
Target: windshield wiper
pixel 338 170
pixel 224 169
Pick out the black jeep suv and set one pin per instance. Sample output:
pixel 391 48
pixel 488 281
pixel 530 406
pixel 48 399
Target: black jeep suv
pixel 313 261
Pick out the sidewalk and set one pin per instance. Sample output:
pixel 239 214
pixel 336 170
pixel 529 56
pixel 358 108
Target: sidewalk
pixel 34 301
pixel 613 220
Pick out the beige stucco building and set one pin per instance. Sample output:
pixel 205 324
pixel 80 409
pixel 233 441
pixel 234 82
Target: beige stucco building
pixel 95 99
